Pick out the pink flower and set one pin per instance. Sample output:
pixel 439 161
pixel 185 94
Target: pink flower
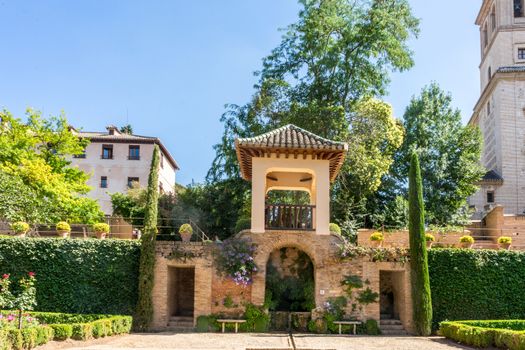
pixel 31 274
pixel 5 276
pixel 10 318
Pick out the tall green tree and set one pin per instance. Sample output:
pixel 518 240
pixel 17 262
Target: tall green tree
pixel 321 77
pixel 144 311
pixel 35 158
pixel 449 153
pixel 420 281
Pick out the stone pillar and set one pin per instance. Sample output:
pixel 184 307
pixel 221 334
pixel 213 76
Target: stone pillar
pixel 258 196
pixel 322 200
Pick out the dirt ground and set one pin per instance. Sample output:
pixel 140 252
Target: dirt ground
pixel 218 341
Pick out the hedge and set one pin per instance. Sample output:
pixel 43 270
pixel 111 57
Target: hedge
pixel 76 276
pixel 471 284
pixel 86 327
pixel 504 334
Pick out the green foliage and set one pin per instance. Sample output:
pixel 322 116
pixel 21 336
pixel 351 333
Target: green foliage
pixel 351 282
pixel 20 227
pixel 81 276
pixel 348 251
pixel 40 183
pixel 505 240
pixel 144 309
pixel 466 239
pixel 234 259
pixel 185 228
pixel 257 318
pixel 449 153
pixel 421 297
pixel 62 331
pixel 367 296
pixel 376 237
pixel 101 227
pixel 429 237
pixel 504 334
pixel 81 331
pixel 243 224
pixel 63 226
pixel 477 284
pixel 372 328
pixel 334 228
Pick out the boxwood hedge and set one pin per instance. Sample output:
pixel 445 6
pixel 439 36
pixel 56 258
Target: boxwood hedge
pixel 76 276
pixel 504 334
pixel 471 284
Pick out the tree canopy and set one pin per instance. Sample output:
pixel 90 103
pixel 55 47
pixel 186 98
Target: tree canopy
pixel 40 185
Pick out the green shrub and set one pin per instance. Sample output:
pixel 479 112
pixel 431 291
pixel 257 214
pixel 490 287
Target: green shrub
pixel 61 331
pixel 372 328
pixel 334 228
pixel 476 284
pixel 504 240
pixel 243 224
pixel 76 276
pixel 15 340
pixel 257 319
pixel 466 239
pixel 185 228
pixel 203 324
pixel 44 334
pixel 99 329
pixel 29 336
pixel 485 334
pixel 82 331
pixel 101 227
pixel 376 236
pixel 429 237
pixel 20 227
pixel 63 226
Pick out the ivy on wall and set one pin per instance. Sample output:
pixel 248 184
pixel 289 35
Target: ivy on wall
pixel 76 276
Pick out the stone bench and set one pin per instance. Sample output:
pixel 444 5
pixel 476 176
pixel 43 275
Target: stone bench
pixel 236 322
pixel 354 323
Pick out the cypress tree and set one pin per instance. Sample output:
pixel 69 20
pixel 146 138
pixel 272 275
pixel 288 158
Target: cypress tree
pixel 421 299
pixel 144 309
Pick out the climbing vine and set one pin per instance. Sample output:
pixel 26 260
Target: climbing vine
pixel 349 251
pixel 234 258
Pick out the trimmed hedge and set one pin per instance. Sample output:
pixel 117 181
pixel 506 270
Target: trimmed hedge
pixel 471 284
pixel 87 327
pixel 76 276
pixel 505 334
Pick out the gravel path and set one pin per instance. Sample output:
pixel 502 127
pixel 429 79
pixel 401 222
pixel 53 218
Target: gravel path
pixel 214 341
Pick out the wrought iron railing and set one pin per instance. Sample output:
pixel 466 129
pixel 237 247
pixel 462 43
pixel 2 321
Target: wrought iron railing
pixel 289 217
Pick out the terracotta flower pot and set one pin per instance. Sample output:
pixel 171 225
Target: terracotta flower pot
pixel 20 234
pixel 186 236
pixel 376 244
pixel 101 235
pixel 429 244
pixel 63 233
pixel 466 244
pixel 505 246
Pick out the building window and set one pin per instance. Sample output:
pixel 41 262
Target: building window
pixel 485 36
pixel 518 8
pixel 103 182
pixel 493 18
pixel 107 152
pixel 132 180
pixel 81 155
pixel 134 153
pixel 488 108
pixel 490 196
pixel 521 53
pixel 162 161
pixel 489 73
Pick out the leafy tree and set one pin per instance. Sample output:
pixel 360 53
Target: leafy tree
pixel 421 298
pixel 144 310
pixel 34 156
pixel 449 153
pixel 321 77
pixel 126 129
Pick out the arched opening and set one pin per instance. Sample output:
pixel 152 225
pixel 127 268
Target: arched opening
pixel 290 288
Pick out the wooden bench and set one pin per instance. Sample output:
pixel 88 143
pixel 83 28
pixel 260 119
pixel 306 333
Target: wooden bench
pixel 354 323
pixel 236 322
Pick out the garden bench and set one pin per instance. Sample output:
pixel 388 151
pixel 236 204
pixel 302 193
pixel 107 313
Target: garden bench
pixel 354 323
pixel 236 322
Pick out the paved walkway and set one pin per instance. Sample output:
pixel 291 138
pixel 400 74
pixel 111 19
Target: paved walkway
pixel 215 341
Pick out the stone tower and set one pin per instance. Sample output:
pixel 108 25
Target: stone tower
pixel 500 112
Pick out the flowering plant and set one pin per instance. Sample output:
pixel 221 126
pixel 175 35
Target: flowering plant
pixel 20 227
pixel 349 251
pixel 26 298
pixel 234 258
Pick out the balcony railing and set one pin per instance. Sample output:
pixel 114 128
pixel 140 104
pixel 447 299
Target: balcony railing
pixel 289 217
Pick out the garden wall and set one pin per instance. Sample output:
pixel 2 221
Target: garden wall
pixel 76 276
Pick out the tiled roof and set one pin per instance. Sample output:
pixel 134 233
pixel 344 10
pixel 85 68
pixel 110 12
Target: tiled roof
pixel 291 136
pixel 511 69
pixel 492 175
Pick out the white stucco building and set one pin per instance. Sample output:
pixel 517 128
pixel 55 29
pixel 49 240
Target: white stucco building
pixel 500 110
pixel 115 160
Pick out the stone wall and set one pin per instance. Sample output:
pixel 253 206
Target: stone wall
pixel 400 238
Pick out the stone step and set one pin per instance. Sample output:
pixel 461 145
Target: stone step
pixel 181 324
pixel 392 327
pixel 389 321
pixel 393 332
pixel 181 318
pixel 180 329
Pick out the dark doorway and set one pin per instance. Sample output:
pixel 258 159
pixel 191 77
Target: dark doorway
pixel 391 290
pixel 181 291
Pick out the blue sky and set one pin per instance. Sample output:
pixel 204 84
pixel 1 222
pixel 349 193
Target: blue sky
pixel 168 67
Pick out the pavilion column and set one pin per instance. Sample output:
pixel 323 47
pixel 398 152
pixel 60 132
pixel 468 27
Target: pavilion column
pixel 322 201
pixel 258 196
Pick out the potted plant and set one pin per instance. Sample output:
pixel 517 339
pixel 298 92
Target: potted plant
pixel 504 242
pixel 20 228
pixel 101 230
pixel 186 231
pixel 376 239
pixel 63 229
pixel 429 238
pixel 466 241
